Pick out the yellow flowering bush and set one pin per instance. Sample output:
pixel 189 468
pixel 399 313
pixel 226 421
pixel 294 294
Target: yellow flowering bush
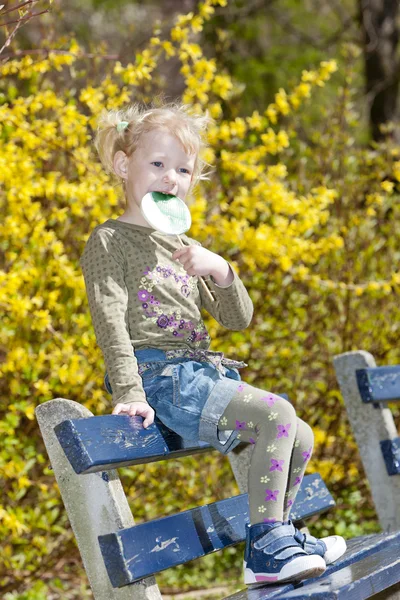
pixel 308 216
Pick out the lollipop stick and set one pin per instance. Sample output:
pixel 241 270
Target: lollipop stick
pixel 201 280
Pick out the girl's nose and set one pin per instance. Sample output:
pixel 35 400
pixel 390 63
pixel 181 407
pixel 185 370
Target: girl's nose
pixel 170 176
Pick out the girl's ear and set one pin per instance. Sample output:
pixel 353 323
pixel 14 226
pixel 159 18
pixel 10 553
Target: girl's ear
pixel 120 164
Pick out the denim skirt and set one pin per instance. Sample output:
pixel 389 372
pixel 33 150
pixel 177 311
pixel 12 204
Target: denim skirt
pixel 188 396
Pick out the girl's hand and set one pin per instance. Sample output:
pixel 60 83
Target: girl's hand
pixel 200 261
pixel 136 408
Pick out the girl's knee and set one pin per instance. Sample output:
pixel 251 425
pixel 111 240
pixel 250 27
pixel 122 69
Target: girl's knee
pixel 304 434
pixel 281 412
pixel 285 410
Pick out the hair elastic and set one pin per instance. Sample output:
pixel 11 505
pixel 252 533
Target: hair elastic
pixel 122 125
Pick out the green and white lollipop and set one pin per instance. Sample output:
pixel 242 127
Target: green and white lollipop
pixel 170 215
pixel 166 213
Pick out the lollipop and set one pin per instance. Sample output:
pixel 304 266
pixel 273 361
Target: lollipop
pixel 170 215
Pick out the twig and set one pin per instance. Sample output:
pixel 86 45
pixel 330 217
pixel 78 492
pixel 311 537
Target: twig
pixel 10 37
pixel 66 52
pixel 25 18
pixel 12 8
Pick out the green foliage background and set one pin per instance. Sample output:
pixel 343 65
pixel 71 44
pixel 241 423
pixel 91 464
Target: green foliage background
pixel 321 269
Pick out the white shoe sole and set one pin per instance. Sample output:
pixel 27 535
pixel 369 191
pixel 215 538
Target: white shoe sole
pixel 337 549
pixel 303 567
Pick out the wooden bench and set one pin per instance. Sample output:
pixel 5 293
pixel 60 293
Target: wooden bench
pixel 121 559
pixel 366 390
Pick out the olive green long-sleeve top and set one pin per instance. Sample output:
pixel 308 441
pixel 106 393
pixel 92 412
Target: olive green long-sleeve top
pixel 140 298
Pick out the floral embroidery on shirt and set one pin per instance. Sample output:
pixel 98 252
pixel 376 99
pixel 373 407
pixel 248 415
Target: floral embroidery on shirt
pixel 170 321
pixel 186 283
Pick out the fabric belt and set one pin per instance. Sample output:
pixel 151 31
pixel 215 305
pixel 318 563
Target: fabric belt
pixel 216 358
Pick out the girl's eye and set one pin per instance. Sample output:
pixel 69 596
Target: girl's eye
pixel 185 170
pixel 157 163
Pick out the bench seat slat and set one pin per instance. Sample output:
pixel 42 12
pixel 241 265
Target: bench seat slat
pixel 133 553
pixel 358 581
pixel 370 564
pixel 379 384
pixel 112 441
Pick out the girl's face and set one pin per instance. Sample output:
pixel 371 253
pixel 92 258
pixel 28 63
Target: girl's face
pixel 159 164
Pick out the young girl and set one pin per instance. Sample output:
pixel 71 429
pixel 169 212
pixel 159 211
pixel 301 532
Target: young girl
pixel 145 300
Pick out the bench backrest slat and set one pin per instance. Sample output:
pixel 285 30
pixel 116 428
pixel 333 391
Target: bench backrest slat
pixel 136 552
pixel 380 384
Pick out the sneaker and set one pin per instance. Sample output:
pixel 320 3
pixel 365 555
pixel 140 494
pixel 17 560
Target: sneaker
pixel 330 548
pixel 273 555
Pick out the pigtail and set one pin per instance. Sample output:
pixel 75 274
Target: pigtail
pixel 110 137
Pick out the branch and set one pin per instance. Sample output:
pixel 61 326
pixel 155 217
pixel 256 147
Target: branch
pixel 12 8
pixel 24 18
pixel 48 51
pixel 10 37
pixel 20 21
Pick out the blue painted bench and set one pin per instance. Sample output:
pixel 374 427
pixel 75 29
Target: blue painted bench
pixel 379 385
pixel 121 558
pixel 367 391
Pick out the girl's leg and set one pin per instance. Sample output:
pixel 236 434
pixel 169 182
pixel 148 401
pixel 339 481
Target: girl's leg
pixel 282 448
pixel 301 453
pixel 269 422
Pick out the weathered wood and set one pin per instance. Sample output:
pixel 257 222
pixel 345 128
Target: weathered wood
pixel 370 565
pixel 391 455
pixel 113 441
pixel 370 426
pixel 381 384
pixel 133 553
pixel 95 504
pixel 361 579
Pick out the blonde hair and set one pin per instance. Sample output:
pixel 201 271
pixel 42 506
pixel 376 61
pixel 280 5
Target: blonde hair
pixel 187 127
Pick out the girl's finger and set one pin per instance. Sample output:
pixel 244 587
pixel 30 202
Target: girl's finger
pixel 178 253
pixel 148 421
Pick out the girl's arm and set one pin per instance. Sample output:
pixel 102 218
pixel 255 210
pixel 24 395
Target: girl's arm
pixel 233 307
pixel 103 269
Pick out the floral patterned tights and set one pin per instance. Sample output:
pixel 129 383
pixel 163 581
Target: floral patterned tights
pixel 282 448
